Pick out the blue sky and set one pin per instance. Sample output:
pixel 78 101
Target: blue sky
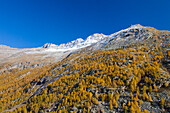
pixel 32 23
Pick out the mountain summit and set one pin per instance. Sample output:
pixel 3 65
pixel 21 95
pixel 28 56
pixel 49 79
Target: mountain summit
pixel 76 44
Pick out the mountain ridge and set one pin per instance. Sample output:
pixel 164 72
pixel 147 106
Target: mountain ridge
pixel 94 38
pixel 132 35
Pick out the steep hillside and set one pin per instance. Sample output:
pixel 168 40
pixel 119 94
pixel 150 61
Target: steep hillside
pixel 127 71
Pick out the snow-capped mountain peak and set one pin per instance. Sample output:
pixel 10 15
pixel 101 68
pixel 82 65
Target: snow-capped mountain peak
pixel 79 40
pixel 94 38
pixel 136 26
pixel 48 45
pixel 76 44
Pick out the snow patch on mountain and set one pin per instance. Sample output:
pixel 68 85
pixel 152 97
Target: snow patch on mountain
pixel 47 45
pixel 94 38
pixel 75 44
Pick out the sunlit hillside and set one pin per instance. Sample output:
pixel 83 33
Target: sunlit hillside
pixel 125 72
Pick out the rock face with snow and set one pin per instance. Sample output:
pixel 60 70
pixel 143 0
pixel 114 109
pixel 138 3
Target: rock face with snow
pixel 94 38
pixel 133 34
pixel 47 45
pixel 76 44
